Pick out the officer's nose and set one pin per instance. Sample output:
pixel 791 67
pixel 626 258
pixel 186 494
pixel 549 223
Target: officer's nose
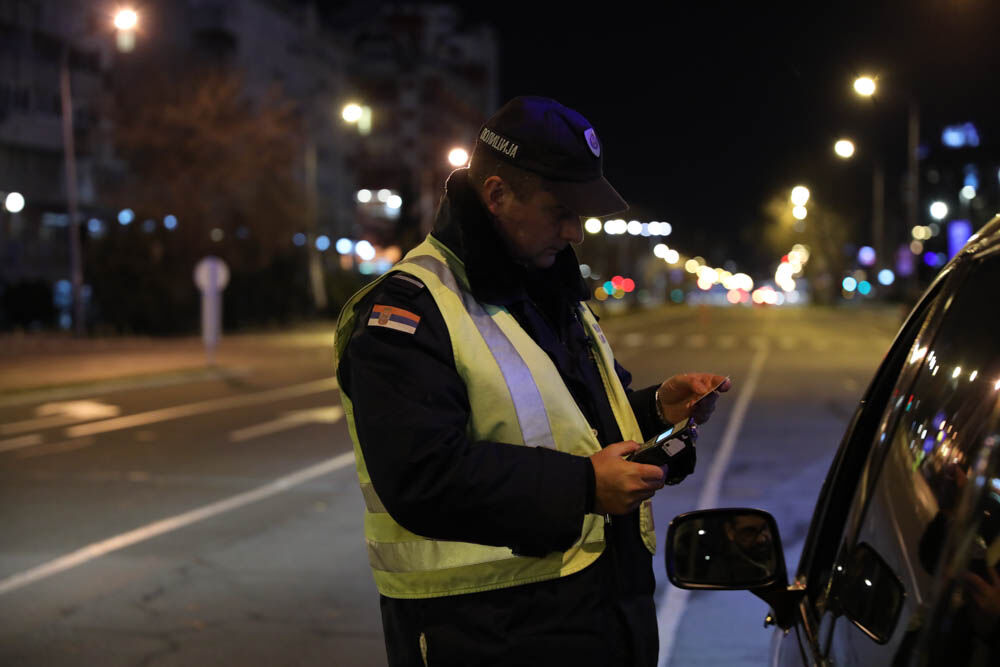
pixel 572 230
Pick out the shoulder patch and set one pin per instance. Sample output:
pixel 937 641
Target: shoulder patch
pixel 391 317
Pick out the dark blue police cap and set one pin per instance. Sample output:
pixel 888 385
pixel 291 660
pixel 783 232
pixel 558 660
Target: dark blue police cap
pixel 542 136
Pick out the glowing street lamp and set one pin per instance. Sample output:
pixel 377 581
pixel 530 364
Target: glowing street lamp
pixel 458 157
pixel 126 19
pixel 844 148
pixel 800 195
pixel 358 114
pixel 864 86
pixel 351 113
pixel 799 212
pixel 14 202
pixel 939 210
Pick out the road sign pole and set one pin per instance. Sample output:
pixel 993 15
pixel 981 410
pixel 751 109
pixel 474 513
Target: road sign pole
pixel 211 276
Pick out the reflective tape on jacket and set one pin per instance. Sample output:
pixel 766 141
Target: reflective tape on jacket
pixel 516 396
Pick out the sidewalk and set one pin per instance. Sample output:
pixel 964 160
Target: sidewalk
pixel 41 361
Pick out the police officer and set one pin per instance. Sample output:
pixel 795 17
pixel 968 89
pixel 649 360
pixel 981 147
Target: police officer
pixel 490 420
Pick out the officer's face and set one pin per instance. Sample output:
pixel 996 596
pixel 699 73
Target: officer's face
pixel 537 228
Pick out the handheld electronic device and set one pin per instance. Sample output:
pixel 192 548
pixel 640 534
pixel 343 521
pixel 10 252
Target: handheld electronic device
pixel 666 446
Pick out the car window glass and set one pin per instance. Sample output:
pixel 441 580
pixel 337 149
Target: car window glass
pixel 953 393
pixel 839 487
pixel 871 594
pixel 964 629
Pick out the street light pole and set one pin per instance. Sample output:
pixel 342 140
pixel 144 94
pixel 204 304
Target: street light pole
pixel 69 153
pixel 125 21
pixel 912 165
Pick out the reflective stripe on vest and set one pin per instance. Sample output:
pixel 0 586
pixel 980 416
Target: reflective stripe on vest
pixel 528 403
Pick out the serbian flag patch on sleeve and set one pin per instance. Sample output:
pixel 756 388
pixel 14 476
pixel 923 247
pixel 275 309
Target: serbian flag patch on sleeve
pixel 393 318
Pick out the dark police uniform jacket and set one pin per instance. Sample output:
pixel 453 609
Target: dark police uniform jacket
pixel 411 413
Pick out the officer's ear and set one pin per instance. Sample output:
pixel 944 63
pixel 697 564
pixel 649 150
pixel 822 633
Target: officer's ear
pixel 496 194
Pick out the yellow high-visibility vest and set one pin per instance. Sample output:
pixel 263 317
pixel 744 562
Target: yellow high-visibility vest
pixel 516 396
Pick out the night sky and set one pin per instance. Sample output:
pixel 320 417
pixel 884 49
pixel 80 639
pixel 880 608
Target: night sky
pixel 708 109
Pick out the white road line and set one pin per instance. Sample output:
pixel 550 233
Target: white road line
pixel 62 413
pixel 670 608
pixel 633 339
pixel 21 441
pixel 118 542
pixel 664 340
pixel 326 415
pixel 202 407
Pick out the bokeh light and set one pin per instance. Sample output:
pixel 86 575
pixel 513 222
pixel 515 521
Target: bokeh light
pixel 844 148
pixel 458 157
pixel 800 195
pixel 939 210
pixel 352 112
pixel 126 19
pixel 866 256
pixel 365 250
pixel 864 86
pixel 14 202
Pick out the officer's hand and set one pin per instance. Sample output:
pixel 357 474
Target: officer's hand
pixel 678 396
pixel 622 485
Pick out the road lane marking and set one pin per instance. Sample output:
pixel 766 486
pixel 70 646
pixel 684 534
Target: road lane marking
pixel 327 415
pixel 201 407
pixel 670 607
pixel 149 531
pixel 664 340
pixel 633 339
pixel 697 341
pixel 50 415
pixel 19 442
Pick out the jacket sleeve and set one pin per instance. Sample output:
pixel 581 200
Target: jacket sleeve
pixel 412 413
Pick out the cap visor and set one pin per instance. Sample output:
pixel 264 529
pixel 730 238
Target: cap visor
pixel 593 198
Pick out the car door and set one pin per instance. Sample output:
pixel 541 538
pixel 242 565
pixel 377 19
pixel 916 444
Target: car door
pixel 883 578
pixel 845 488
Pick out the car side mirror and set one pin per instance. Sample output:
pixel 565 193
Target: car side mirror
pixel 725 549
pixel 732 549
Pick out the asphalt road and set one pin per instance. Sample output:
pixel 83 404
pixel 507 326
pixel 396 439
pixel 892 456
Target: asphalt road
pixel 218 521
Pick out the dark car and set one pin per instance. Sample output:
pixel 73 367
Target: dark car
pixel 902 562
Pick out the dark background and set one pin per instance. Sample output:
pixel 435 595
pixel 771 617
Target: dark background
pixel 708 109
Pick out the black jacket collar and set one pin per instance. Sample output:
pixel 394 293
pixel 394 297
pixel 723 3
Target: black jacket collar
pixel 465 227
